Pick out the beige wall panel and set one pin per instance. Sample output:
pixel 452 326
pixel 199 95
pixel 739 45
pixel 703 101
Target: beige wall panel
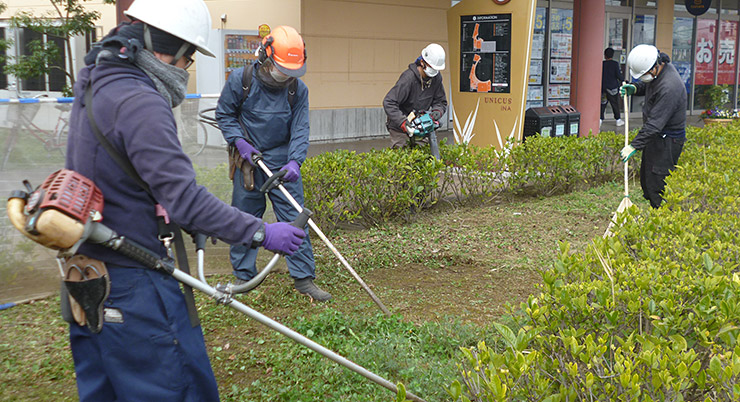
pixel 360 48
pixel 399 21
pixel 43 7
pixel 327 54
pixel 249 14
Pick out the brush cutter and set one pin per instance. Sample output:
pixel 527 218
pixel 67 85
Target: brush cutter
pixel 424 126
pixel 626 202
pixel 275 180
pixel 65 212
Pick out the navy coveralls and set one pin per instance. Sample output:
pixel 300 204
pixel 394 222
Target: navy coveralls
pixel 280 132
pixel 147 349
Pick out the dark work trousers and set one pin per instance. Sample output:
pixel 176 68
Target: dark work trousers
pixel 301 264
pixel 147 350
pixel 659 158
pixel 400 139
pixel 612 100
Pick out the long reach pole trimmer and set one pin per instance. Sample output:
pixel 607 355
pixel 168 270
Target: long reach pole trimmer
pixel 65 211
pixel 274 180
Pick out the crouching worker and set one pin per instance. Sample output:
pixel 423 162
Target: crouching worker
pixel 149 347
pixel 263 109
pixel 418 89
pixel 663 132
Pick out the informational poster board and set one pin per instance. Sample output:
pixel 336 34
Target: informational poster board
pixel 485 53
pixel 489 63
pixel 705 51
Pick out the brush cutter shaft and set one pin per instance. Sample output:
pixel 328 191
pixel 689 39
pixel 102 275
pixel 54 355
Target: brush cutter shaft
pixel 626 142
pixel 326 241
pixel 262 319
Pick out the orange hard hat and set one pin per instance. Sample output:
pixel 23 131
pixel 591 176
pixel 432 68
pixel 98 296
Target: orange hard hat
pixel 287 50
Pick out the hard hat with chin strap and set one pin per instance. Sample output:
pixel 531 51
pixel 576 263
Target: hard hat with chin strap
pixel 642 59
pixel 188 20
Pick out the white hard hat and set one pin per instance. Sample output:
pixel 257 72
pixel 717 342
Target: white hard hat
pixel 434 55
pixel 188 20
pixel 641 59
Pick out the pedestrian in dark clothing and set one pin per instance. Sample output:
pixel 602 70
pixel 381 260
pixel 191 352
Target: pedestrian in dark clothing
pixel 611 80
pixel 148 349
pixel 419 88
pixel 663 133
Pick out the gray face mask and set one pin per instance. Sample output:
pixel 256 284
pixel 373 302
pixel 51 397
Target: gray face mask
pixel 171 82
pixel 647 77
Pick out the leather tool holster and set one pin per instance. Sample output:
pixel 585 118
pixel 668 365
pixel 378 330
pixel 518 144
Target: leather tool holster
pixel 237 162
pixel 88 283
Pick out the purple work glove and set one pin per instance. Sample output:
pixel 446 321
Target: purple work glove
pixel 246 150
pixel 283 237
pixel 292 171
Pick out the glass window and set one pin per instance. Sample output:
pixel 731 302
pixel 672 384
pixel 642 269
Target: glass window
pixel 535 89
pixel 726 57
pixel 646 3
pixel 730 6
pixel 3 52
pixel 644 30
pixel 683 32
pixel 561 48
pixel 705 53
pixel 56 76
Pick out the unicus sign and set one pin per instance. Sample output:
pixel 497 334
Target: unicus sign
pixel 698 7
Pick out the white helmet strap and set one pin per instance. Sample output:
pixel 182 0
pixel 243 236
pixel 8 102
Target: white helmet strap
pixel 148 45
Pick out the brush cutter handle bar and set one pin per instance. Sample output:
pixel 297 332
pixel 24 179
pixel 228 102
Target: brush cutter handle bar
pixel 272 181
pixel 293 335
pixel 302 219
pixel 101 234
pixel 326 241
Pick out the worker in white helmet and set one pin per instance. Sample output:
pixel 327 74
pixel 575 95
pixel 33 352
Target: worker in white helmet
pixel 663 133
pixel 142 341
pixel 418 89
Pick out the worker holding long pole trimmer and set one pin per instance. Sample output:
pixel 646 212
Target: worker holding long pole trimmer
pixel 137 336
pixel 263 110
pixel 663 133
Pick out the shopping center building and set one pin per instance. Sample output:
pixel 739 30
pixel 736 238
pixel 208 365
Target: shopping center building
pixel 358 48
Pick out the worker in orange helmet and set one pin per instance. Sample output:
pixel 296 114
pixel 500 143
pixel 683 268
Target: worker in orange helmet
pixel 263 109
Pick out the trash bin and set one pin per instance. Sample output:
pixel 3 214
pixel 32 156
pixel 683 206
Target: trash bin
pixel 573 125
pixel 537 120
pixel 559 121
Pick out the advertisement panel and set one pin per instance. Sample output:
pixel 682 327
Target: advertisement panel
pixel 726 54
pixel 705 51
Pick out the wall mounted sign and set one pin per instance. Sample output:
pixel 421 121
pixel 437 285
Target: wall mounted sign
pixel 698 7
pixel 263 30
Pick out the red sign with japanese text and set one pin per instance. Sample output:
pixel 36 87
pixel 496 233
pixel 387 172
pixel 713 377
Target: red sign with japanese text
pixel 705 51
pixel 727 52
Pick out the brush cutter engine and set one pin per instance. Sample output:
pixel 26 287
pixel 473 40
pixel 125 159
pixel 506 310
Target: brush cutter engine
pixel 55 213
pixel 422 123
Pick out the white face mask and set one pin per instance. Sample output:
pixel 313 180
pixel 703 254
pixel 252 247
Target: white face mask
pixel 430 72
pixel 647 77
pixel 277 75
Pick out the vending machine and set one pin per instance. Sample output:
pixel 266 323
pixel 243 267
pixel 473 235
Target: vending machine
pixel 233 49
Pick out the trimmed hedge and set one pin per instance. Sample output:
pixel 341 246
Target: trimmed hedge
pixel 370 188
pixel 650 314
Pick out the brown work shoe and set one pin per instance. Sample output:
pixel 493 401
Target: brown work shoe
pixel 306 287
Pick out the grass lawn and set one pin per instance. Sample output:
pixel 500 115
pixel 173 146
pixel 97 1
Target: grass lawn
pixel 445 277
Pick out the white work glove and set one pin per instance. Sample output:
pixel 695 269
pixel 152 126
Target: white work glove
pixel 627 153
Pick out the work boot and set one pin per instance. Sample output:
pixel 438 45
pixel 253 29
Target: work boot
pixel 306 287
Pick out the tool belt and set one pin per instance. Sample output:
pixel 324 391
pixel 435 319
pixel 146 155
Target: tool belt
pixel 86 285
pixel 237 162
